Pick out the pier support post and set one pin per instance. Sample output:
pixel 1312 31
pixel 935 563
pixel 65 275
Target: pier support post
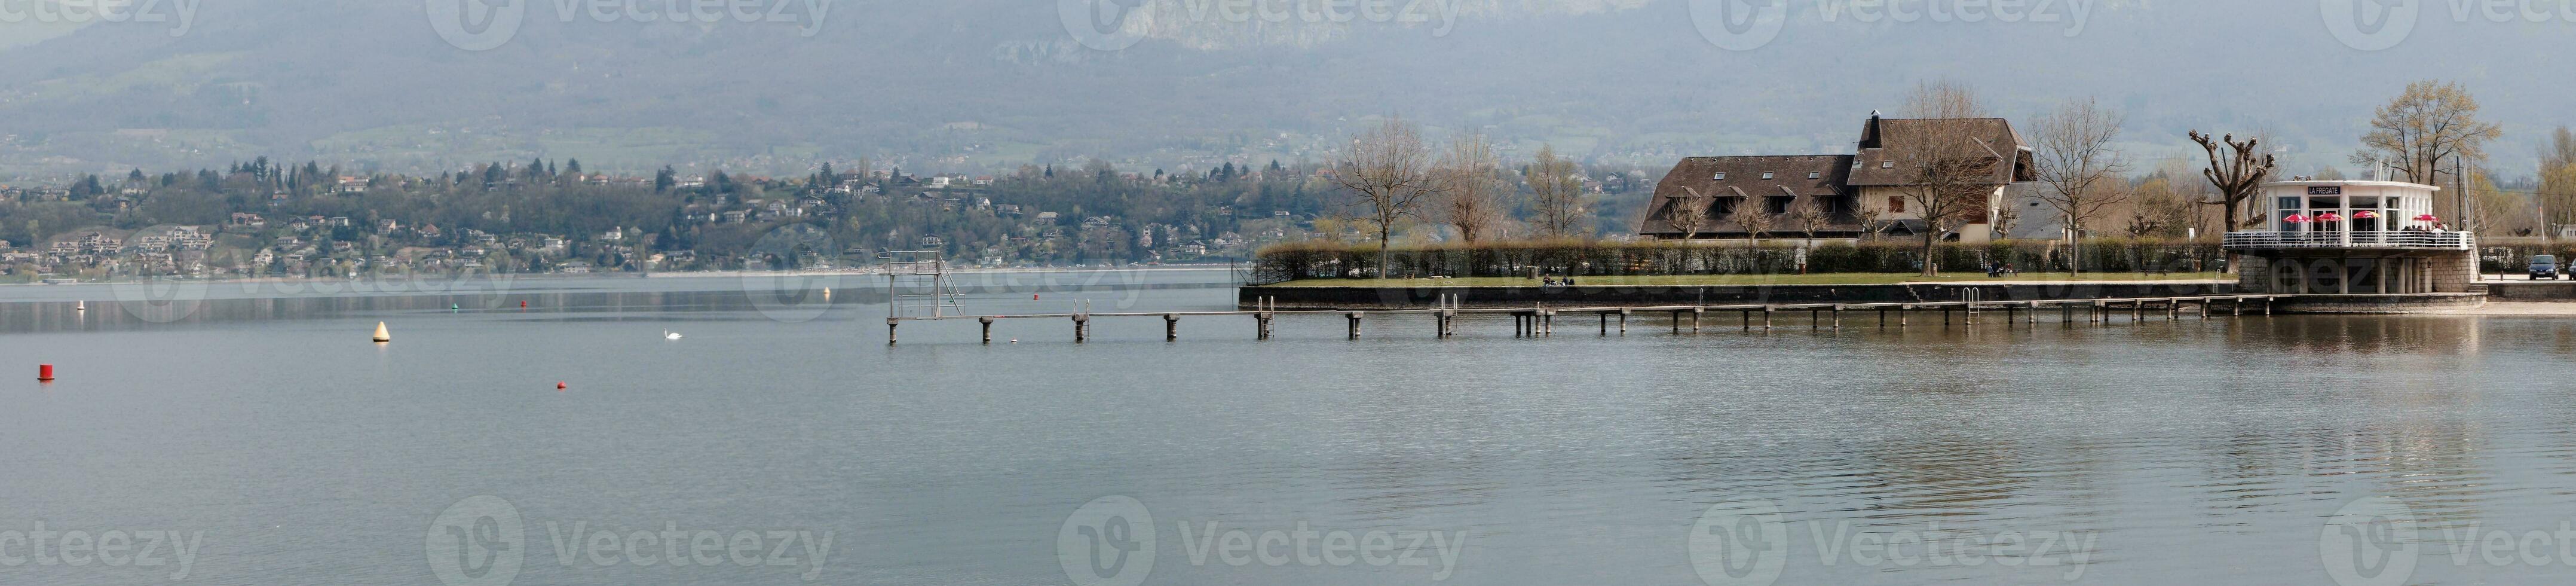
pixel 1355 324
pixel 1081 328
pixel 890 324
pixel 1605 324
pixel 988 330
pixel 1623 322
pixel 1838 318
pixel 1766 318
pixel 1548 321
pixel 1263 323
pixel 1695 315
pixel 2066 314
pixel 2236 308
pixel 1171 327
pixel 1677 323
pixel 1904 317
pixel 2137 310
pixel 1815 319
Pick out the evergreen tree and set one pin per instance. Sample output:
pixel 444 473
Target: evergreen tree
pixel 663 180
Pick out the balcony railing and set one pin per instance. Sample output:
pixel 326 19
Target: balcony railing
pixel 2369 239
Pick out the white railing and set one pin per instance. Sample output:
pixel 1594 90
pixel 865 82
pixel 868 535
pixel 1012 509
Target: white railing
pixel 2399 239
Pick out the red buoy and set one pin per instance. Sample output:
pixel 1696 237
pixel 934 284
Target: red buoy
pixel 523 305
pixel 45 372
pixel 560 386
pixel 1033 298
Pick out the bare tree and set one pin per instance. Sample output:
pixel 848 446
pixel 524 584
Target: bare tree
pixel 1949 169
pixel 2426 128
pixel 1387 172
pixel 1557 202
pixel 1470 197
pixel 2238 178
pixel 1689 214
pixel 1753 219
pixel 1810 216
pixel 1868 218
pixel 2077 162
pixel 2558 182
pixel 2157 210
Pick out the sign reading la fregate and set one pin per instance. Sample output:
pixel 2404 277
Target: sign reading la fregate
pixel 2325 190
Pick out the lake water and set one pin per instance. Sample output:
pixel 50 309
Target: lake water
pixel 259 424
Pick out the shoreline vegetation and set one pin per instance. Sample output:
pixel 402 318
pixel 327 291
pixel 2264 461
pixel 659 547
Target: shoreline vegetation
pixel 708 274
pixel 1589 260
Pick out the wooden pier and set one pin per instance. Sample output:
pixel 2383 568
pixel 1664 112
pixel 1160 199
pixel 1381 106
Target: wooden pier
pixel 1540 322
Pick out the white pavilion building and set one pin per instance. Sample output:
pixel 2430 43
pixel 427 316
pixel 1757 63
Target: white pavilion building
pixel 2353 238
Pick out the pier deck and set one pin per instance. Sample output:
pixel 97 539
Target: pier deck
pixel 1540 321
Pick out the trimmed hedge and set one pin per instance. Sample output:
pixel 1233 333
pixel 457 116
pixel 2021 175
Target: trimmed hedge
pixel 1320 260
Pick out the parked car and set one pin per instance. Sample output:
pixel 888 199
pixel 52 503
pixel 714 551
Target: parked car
pixel 2544 267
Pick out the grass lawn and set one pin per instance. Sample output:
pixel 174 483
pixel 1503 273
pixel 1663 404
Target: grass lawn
pixel 1718 280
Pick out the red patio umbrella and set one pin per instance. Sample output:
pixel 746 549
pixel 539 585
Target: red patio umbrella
pixel 2296 219
pixel 2329 217
pixel 2427 218
pixel 2365 215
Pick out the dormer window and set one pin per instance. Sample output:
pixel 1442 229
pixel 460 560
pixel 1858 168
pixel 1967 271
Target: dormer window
pixel 1766 175
pixel 1721 176
pixel 1815 175
pixel 1887 164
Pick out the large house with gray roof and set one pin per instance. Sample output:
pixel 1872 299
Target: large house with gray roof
pixel 1846 187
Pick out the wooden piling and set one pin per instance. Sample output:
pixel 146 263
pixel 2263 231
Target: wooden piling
pixel 1171 327
pixel 1355 323
pixel 988 329
pixel 1081 328
pixel 890 324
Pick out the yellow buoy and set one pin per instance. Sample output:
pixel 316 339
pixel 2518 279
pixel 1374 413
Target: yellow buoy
pixel 381 334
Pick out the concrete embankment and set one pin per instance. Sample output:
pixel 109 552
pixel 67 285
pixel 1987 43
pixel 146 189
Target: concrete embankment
pixel 1397 298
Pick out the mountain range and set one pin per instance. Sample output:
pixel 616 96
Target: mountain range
pixel 989 85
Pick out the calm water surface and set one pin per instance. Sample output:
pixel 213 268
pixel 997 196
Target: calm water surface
pixel 2186 452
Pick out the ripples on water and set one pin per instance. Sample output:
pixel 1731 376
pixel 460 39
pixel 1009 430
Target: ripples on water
pixel 2200 451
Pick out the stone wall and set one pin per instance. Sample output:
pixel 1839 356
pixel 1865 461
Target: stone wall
pixel 2379 304
pixel 2452 273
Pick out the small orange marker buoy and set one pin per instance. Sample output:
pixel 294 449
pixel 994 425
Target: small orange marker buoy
pixel 560 386
pixel 45 372
pixel 1033 298
pixel 523 305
